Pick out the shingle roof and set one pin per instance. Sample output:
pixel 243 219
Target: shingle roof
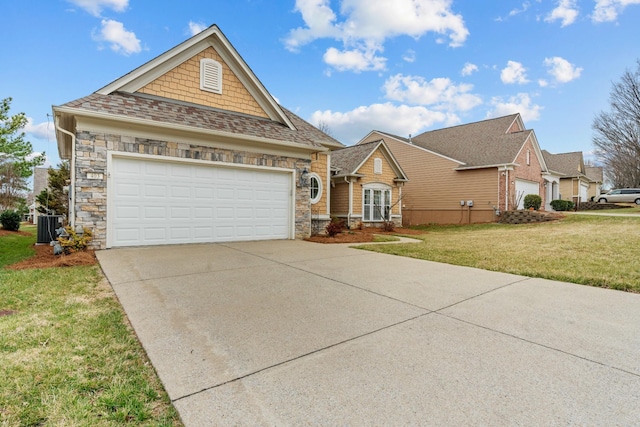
pixel 163 110
pixel 484 143
pixel 347 160
pixel 594 173
pixel 567 164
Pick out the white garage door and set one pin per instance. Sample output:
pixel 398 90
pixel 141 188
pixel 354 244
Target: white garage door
pixel 158 203
pixel 525 187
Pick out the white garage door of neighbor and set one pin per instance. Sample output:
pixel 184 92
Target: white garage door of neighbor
pixel 158 203
pixel 523 188
pixel 584 192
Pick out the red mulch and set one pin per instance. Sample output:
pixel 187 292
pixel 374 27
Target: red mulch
pixel 44 257
pixel 360 236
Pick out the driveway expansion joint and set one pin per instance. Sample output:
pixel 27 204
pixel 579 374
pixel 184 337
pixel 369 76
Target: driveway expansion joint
pixel 302 356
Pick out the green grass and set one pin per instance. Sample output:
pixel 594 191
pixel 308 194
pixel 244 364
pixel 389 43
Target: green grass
pixel 381 238
pixel 14 248
pixel 591 250
pixel 633 209
pixel 67 354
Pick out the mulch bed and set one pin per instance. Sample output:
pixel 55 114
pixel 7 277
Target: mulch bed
pixel 360 236
pixel 44 257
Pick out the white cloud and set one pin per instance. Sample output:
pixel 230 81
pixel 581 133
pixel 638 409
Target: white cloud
pixel 121 41
pixel 44 130
pixel 367 24
pixel 521 103
pixel 95 7
pixel 543 83
pixel 441 93
pixel 409 56
pixel 469 69
pixel 562 70
pixel 354 60
pixel 514 72
pixel 401 120
pixel 608 10
pixel 196 27
pixel 566 11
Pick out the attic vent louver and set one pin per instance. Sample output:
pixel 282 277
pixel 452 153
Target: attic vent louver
pixel 210 75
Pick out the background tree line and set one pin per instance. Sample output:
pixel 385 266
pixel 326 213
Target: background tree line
pixel 617 132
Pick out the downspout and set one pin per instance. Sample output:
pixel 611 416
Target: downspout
pixel 506 190
pixel 72 167
pixel 347 180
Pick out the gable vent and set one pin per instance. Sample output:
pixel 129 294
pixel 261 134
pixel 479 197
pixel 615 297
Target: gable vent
pixel 210 75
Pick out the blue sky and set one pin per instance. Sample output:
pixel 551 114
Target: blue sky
pixel 401 66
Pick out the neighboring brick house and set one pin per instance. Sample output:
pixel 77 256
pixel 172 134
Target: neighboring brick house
pixel 468 173
pixel 191 147
pixel 574 183
pixel 367 185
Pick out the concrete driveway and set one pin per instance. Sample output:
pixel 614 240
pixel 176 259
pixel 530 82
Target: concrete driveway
pixel 296 333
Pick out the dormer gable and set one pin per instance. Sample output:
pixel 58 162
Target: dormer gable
pixel 204 70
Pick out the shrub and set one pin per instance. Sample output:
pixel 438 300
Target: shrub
pixel 334 227
pixel 10 220
pixel 388 226
pixel 561 205
pixel 74 241
pixel 532 201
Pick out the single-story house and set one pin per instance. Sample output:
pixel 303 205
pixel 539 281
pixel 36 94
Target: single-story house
pixel 468 173
pixel 367 185
pixel 596 178
pixel 191 147
pixel 574 183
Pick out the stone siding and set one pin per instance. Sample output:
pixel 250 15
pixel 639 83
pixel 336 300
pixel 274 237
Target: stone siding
pixel 91 175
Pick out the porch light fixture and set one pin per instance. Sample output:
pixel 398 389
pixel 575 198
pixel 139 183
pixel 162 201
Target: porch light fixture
pixel 304 178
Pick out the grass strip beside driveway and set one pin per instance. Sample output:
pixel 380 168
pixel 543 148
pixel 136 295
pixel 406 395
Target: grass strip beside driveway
pixel 68 356
pixel 591 250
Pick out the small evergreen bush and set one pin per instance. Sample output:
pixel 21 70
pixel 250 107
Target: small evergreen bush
pixel 10 220
pixel 561 205
pixel 532 201
pixel 72 241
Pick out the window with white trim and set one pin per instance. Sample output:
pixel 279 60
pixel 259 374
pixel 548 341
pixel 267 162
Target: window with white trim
pixel 376 203
pixel 210 75
pixel 377 166
pixel 315 184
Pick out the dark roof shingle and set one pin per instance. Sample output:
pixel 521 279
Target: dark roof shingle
pixel 163 110
pixel 484 143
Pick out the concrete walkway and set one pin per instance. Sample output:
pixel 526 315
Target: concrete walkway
pixel 295 333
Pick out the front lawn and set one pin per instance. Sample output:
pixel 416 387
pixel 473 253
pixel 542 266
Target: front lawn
pixel 67 354
pixel 591 250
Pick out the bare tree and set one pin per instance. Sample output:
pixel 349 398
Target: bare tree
pixel 617 133
pixel 324 127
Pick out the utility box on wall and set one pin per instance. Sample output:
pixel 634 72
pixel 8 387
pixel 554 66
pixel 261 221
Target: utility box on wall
pixel 47 225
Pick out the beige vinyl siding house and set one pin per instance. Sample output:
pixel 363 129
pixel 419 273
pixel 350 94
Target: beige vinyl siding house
pixel 574 183
pixel 468 173
pixel 596 177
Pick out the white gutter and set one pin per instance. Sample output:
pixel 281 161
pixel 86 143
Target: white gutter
pixel 72 172
pixel 347 180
